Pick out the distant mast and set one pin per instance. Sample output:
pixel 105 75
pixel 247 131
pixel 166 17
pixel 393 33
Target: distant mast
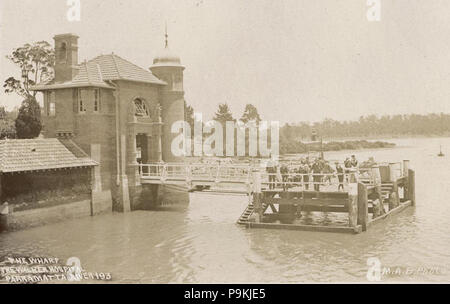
pixel 440 152
pixel 314 139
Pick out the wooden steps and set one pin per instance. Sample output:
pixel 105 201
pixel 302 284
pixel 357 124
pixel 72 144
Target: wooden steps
pixel 244 218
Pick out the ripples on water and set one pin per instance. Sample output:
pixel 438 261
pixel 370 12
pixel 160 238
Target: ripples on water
pixel 201 242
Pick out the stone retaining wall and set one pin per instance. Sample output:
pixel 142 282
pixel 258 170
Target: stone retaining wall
pixel 99 204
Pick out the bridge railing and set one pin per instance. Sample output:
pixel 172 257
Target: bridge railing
pixel 242 173
pixel 305 180
pixel 205 172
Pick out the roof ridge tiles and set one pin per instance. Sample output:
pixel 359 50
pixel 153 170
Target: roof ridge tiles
pixel 133 64
pixel 87 72
pixel 115 63
pixel 100 69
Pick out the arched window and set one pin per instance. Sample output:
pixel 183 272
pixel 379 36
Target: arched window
pixel 140 108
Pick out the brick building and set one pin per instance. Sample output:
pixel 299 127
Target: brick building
pixel 116 112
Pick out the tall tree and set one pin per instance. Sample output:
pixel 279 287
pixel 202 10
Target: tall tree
pixel 189 115
pixel 190 119
pixel 223 114
pixel 7 129
pixel 36 62
pixel 28 121
pixel 250 114
pixel 2 113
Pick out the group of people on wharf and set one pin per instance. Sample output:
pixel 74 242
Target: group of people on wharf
pixel 318 171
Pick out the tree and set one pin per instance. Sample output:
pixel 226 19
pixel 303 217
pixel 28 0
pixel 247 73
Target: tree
pixel 28 121
pixel 2 113
pixel 36 63
pixel 189 115
pixel 7 129
pixel 190 119
pixel 250 114
pixel 223 114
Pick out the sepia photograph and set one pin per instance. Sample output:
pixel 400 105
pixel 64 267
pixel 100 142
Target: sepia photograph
pixel 212 144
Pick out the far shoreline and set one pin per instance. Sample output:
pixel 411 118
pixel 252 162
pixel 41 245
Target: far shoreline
pixel 385 137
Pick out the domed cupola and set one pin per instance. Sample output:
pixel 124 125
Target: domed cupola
pixel 166 58
pixel 167 67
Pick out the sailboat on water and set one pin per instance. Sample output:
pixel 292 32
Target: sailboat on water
pixel 440 152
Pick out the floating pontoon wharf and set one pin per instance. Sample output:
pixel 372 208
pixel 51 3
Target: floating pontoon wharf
pixel 369 194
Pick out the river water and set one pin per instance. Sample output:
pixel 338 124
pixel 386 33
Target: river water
pixel 202 244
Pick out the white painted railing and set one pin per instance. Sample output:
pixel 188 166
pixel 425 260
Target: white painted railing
pixel 242 174
pixel 196 172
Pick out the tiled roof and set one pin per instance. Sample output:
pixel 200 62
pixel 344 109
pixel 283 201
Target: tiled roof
pixel 101 69
pixel 74 148
pixel 19 155
pixel 114 67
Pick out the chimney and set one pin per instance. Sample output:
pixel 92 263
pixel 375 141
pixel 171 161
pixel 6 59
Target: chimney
pixel 66 57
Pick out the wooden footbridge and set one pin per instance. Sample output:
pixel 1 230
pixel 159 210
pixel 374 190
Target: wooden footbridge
pixel 366 195
pixel 193 175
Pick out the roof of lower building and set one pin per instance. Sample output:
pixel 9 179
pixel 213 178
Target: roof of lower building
pixel 98 71
pixel 24 155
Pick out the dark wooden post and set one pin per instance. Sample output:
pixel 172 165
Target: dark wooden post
pixel 4 210
pixel 405 167
pixel 353 205
pixel 91 181
pixel 412 187
pixel 257 195
pixel 394 199
pixel 363 209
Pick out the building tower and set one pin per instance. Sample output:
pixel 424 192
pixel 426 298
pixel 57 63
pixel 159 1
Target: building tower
pixel 66 57
pixel 167 67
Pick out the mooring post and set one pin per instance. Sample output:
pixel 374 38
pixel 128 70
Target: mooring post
pixel 363 209
pixel 394 199
pixel 376 173
pixel 411 187
pixel 392 172
pixel 353 204
pixel 257 196
pixel 405 167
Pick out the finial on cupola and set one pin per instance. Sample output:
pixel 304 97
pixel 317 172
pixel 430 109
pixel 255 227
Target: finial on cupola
pixel 167 37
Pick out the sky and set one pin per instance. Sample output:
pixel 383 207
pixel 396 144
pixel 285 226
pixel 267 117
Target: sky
pixel 295 60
